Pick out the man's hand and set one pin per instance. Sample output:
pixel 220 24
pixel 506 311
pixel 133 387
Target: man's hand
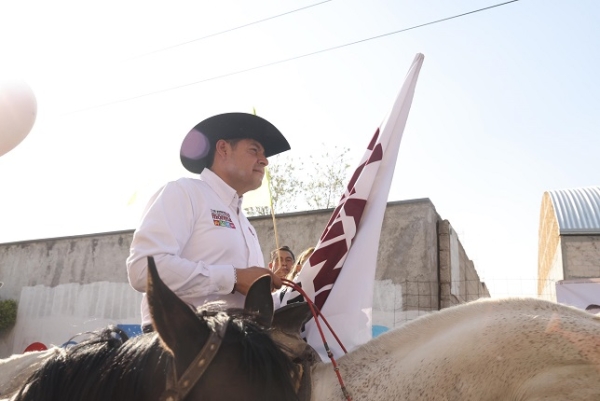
pixel 245 278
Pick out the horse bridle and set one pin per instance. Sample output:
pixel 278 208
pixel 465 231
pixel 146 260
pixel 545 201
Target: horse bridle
pixel 177 390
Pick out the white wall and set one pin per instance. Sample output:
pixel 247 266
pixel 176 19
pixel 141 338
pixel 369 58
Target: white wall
pixel 53 315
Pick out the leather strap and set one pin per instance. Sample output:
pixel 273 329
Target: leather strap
pixel 177 390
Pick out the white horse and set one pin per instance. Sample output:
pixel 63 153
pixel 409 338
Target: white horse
pixel 17 368
pixel 512 349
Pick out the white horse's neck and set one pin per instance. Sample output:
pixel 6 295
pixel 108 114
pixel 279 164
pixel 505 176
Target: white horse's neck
pixel 326 385
pixel 494 349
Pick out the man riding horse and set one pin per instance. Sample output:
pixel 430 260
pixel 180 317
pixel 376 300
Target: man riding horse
pixel 204 246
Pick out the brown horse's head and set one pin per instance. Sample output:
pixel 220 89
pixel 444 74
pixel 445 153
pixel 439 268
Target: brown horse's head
pixel 259 357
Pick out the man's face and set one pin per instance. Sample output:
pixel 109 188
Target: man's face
pixel 282 264
pixel 244 166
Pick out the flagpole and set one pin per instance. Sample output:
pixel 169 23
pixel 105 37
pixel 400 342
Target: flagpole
pixel 268 176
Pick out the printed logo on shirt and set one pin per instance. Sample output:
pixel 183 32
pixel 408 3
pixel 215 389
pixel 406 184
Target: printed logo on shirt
pixel 221 219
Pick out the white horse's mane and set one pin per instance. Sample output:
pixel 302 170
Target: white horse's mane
pixel 15 369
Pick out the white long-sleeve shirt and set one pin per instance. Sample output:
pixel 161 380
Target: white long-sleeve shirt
pixel 197 233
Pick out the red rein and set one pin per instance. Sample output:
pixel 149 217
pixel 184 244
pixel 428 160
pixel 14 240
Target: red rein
pixel 316 314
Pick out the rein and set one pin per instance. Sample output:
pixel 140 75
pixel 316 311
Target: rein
pixel 316 314
pixel 177 390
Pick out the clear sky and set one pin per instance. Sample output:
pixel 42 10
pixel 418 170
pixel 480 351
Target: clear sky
pixel 506 106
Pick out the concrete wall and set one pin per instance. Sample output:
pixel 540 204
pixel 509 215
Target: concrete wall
pixel 407 266
pixel 581 256
pixel 574 257
pixel 458 279
pixel 50 262
pixel 68 285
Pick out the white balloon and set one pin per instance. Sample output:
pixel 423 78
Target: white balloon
pixel 18 109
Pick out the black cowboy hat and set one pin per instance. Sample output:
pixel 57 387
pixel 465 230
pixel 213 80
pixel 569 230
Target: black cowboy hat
pixel 199 143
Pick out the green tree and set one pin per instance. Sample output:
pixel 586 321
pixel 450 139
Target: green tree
pixel 307 183
pixel 8 313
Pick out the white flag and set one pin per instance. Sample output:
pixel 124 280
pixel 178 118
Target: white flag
pixel 340 274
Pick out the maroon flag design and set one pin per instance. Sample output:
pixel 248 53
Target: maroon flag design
pixel 340 274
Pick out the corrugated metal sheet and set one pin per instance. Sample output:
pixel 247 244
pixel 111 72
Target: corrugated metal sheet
pixel 577 210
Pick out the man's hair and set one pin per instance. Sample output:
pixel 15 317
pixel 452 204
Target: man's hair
pixel 281 248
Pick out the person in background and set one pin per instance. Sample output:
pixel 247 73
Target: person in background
pixel 282 261
pixel 204 247
pixel 291 275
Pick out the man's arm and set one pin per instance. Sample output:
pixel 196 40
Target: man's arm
pixel 167 227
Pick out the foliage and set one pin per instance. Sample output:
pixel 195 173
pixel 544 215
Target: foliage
pixel 313 182
pixel 285 185
pixel 257 210
pixel 325 192
pixel 8 313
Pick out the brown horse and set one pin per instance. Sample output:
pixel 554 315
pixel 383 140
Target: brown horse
pixel 212 354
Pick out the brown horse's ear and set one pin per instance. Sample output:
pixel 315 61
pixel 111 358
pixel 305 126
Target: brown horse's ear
pixel 290 318
pixel 176 323
pixel 259 301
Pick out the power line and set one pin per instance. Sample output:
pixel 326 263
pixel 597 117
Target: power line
pixel 293 58
pixel 231 29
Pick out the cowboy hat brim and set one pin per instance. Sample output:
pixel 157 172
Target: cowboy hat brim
pixel 198 143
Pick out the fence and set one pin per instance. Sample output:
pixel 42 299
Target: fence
pixel 396 304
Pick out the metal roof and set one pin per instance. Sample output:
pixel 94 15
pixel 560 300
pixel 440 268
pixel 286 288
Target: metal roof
pixel 577 210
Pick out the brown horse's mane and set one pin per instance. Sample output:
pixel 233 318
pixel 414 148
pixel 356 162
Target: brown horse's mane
pixel 94 369
pixel 105 367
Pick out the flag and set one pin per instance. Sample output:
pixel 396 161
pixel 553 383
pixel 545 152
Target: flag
pixel 339 276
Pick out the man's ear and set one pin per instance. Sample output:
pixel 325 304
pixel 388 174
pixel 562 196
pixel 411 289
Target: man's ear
pixel 221 147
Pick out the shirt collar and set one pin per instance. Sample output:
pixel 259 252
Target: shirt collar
pixel 223 190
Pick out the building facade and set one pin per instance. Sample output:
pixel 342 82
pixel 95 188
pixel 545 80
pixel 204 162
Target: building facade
pixel 70 285
pixel 569 239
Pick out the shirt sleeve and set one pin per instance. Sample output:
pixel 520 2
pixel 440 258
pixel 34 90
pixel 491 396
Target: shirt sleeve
pixel 166 227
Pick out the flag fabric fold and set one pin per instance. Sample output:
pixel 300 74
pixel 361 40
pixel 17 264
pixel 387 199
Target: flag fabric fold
pixel 340 274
